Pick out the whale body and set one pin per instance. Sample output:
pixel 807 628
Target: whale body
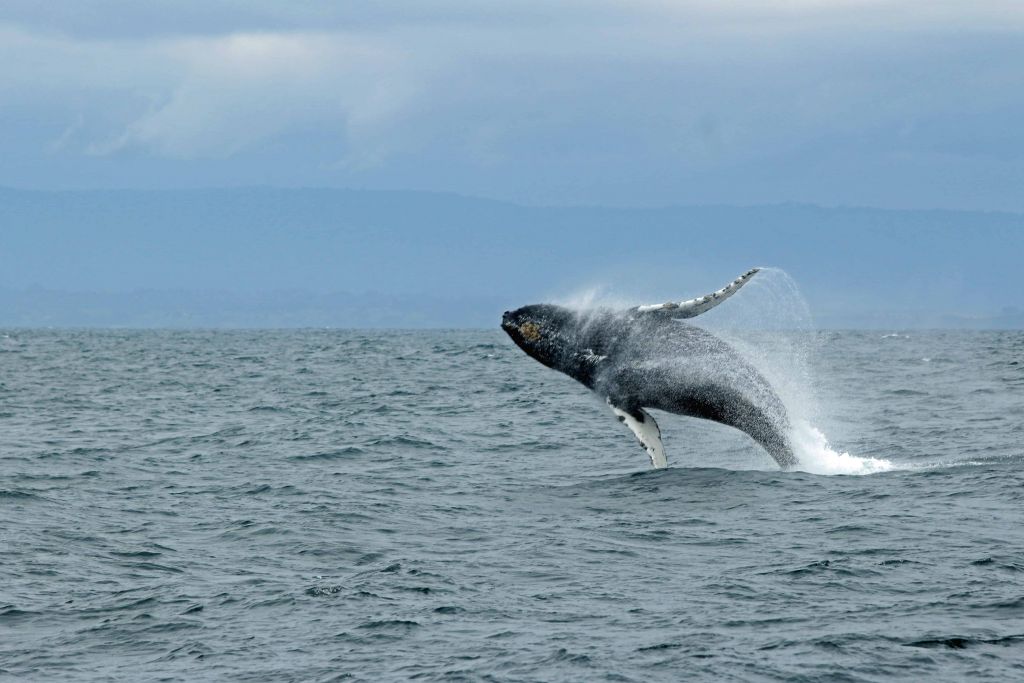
pixel 648 357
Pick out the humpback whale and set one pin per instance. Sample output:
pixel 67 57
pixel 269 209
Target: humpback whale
pixel 646 357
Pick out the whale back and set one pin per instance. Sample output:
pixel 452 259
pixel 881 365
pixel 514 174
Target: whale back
pixel 647 357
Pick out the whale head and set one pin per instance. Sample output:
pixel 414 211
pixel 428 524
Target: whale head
pixel 544 331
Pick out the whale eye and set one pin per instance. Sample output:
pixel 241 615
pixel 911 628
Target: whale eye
pixel 530 331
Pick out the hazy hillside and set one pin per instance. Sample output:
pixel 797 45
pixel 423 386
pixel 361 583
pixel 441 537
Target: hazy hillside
pixel 273 257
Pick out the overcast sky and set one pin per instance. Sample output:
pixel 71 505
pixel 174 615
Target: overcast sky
pixel 891 103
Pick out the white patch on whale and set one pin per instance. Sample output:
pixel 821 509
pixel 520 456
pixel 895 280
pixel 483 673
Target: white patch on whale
pixel 694 307
pixel 647 432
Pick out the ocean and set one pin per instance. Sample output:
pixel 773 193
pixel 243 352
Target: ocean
pixel 328 505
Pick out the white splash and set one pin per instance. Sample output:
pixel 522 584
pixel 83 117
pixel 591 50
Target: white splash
pixel 818 457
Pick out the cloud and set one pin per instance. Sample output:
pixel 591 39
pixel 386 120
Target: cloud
pixel 239 90
pixel 214 96
pixel 647 98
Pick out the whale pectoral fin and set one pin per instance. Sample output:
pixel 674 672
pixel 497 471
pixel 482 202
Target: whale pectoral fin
pixel 646 430
pixel 693 307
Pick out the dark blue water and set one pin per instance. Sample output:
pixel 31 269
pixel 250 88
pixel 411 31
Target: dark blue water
pixel 331 505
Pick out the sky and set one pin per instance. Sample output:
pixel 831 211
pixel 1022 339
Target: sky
pixel 912 104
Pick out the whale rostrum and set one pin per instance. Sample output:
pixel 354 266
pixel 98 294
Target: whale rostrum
pixel 646 357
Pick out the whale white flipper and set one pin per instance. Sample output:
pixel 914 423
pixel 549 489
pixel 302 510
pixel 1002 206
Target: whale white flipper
pixel 693 307
pixel 646 430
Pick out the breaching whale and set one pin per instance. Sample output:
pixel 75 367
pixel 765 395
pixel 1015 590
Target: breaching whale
pixel 647 357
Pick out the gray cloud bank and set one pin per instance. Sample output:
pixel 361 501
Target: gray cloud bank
pixel 899 104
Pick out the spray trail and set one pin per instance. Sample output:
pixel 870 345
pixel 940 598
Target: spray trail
pixel 772 328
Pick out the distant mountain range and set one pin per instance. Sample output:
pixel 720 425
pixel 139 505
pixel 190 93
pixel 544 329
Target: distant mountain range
pixel 262 257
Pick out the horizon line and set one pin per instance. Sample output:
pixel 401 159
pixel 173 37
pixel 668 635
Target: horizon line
pixel 782 203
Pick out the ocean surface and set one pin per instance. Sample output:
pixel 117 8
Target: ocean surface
pixel 317 505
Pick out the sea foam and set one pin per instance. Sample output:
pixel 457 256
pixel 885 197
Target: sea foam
pixel 816 456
